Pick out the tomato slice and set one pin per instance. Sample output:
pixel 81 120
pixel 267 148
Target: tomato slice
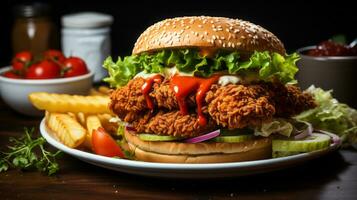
pixel 103 144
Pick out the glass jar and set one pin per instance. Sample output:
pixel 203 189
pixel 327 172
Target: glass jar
pixel 33 29
pixel 87 35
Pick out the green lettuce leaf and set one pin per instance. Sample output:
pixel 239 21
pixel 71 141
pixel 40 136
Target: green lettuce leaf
pixel 330 115
pixel 279 126
pixel 268 66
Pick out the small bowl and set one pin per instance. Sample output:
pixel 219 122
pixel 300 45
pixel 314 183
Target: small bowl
pixel 338 73
pixel 15 92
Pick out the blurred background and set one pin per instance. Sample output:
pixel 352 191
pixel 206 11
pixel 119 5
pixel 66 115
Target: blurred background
pixel 296 23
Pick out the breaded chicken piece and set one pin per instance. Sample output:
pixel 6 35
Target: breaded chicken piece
pixel 230 106
pixel 172 123
pixel 128 98
pixel 290 100
pixel 237 106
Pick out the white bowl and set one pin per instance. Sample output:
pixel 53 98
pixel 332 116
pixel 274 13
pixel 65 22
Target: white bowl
pixel 15 92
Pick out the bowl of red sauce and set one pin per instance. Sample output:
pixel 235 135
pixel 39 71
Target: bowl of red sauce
pixel 330 65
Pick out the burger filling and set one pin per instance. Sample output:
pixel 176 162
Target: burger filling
pixel 186 93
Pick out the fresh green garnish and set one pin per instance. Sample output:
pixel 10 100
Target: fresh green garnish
pixel 268 66
pixel 279 125
pixel 22 155
pixel 332 116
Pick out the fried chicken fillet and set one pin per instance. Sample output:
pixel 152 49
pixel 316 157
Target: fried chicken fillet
pixel 230 106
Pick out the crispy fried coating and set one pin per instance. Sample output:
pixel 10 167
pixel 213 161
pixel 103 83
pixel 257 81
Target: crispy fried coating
pixel 172 123
pixel 230 106
pixel 128 98
pixel 237 106
pixel 289 100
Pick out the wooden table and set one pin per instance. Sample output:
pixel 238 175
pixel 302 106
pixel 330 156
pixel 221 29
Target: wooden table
pixel 330 177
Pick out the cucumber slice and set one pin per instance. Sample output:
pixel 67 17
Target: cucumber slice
pixel 153 137
pixel 312 143
pixel 233 139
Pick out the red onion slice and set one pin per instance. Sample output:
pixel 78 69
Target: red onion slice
pixel 304 133
pixel 204 137
pixel 335 138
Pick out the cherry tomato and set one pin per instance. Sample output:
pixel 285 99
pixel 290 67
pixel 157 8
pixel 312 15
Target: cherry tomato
pixel 54 55
pixel 103 144
pixel 11 74
pixel 74 66
pixel 43 70
pixel 21 60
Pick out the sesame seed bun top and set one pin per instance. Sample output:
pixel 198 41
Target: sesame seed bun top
pixel 208 32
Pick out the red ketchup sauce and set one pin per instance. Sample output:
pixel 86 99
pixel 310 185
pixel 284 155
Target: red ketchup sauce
pixel 146 88
pixel 186 85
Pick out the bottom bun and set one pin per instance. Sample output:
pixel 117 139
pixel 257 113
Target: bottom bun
pixel 256 149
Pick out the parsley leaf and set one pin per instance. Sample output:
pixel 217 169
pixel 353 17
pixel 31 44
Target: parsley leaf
pixel 21 154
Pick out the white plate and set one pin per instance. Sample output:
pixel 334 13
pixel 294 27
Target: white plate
pixel 168 170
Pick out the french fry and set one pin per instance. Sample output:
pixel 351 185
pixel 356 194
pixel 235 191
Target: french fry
pixel 92 123
pixel 64 103
pixel 81 117
pixel 67 130
pixel 104 90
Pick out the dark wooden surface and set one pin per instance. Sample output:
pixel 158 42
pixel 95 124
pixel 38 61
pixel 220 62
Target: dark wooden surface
pixel 331 177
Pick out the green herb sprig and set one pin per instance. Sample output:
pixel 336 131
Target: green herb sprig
pixel 21 154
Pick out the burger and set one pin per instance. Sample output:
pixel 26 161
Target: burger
pixel 205 90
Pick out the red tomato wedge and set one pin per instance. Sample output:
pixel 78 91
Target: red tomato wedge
pixel 103 144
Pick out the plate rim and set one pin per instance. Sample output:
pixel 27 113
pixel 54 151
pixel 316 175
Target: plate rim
pixel 178 166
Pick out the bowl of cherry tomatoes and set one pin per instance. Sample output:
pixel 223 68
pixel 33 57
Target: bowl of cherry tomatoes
pixel 50 72
pixel 330 65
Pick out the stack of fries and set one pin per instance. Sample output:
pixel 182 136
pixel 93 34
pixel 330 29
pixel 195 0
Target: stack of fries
pixel 72 118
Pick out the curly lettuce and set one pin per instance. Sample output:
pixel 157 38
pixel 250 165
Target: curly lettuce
pixel 330 115
pixel 279 126
pixel 268 66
